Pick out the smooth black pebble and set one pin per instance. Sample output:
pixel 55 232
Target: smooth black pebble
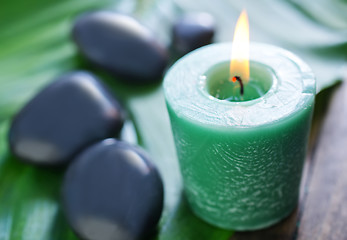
pixel 191 32
pixel 120 45
pixel 112 191
pixel 71 113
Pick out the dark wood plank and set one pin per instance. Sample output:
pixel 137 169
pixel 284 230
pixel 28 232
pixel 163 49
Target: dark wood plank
pixel 324 213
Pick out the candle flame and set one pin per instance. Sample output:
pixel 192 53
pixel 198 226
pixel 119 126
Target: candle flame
pixel 239 64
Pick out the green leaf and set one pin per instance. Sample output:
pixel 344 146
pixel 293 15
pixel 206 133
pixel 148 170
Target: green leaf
pixel 29 198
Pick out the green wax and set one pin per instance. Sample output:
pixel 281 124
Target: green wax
pixel 218 82
pixel 241 161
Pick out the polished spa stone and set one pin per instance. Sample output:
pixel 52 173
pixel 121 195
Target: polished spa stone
pixel 112 191
pixel 120 45
pixel 71 113
pixel 191 32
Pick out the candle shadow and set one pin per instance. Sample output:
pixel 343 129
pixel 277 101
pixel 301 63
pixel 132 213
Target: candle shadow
pixel 284 230
pixel 321 107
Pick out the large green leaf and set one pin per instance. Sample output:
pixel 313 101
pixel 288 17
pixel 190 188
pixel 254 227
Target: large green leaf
pixel 29 200
pixel 35 47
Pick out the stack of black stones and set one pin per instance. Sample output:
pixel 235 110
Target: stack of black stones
pixel 111 190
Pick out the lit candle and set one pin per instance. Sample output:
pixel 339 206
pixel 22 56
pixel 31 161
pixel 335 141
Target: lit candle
pixel 241 153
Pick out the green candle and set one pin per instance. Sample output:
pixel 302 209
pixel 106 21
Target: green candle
pixel 241 156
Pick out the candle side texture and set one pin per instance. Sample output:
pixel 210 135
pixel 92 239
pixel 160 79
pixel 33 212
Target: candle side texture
pixel 242 179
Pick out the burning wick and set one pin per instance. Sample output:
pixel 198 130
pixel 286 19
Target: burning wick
pixel 238 78
pixel 239 64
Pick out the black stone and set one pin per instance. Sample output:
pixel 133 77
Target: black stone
pixel 120 45
pixel 71 113
pixel 112 191
pixel 191 32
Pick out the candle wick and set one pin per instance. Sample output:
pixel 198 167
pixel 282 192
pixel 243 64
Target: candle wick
pixel 238 78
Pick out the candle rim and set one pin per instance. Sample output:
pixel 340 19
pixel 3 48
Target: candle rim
pixel 181 86
pixel 203 84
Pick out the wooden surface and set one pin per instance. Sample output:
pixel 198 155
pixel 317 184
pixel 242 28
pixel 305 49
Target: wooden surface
pixel 322 210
